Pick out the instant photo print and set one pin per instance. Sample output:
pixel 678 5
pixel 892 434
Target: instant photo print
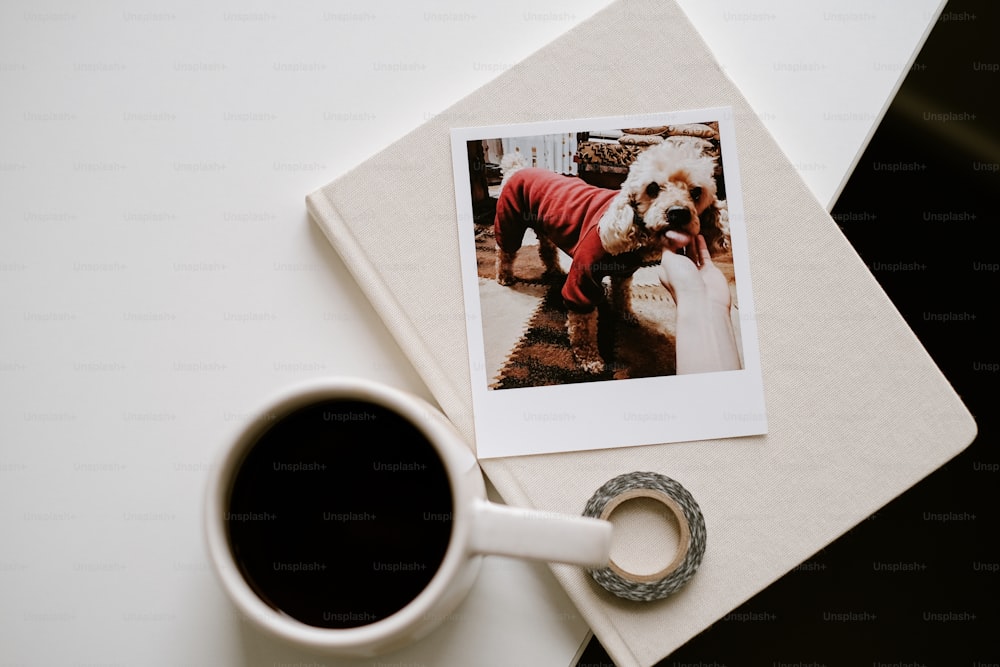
pixel 572 327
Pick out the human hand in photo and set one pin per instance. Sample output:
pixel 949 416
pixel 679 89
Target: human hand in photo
pixel 706 341
pixel 695 275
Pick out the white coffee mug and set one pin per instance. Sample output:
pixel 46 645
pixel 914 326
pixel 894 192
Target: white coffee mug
pixel 478 527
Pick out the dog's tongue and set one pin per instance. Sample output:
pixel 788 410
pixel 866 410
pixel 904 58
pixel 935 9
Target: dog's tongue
pixel 676 240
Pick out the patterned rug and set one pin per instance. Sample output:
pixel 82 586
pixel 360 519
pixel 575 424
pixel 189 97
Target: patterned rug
pixel 643 348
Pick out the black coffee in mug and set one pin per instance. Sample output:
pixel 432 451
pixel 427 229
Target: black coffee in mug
pixel 340 514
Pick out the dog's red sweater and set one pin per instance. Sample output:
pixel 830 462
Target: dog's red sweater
pixel 567 211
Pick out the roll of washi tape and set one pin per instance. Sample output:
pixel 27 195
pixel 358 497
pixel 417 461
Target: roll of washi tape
pixel 691 547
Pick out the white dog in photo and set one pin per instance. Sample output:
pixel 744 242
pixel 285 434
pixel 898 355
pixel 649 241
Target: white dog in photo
pixel 667 198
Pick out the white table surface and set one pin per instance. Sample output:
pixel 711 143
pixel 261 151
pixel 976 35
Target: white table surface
pixel 159 275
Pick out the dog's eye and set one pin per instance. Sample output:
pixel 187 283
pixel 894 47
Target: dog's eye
pixel 696 193
pixel 652 189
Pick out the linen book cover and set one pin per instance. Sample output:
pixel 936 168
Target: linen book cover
pixel 857 412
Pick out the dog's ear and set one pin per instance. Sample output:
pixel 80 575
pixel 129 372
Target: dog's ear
pixel 617 229
pixel 712 228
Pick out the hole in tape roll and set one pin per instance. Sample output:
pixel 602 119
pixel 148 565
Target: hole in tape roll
pixel 648 535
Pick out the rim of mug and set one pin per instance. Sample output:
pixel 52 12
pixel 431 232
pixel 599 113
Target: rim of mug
pixel 417 611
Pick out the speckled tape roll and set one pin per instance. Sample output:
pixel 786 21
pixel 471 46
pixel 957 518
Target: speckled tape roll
pixel 690 550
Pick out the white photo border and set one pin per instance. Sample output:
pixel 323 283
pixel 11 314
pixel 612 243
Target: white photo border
pixel 612 413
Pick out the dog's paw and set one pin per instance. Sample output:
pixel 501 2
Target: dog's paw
pixel 505 267
pixel 590 364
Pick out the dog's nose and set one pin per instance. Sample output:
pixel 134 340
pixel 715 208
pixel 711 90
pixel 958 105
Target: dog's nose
pixel 678 215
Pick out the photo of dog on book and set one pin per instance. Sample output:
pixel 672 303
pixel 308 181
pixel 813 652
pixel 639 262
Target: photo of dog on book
pixel 596 299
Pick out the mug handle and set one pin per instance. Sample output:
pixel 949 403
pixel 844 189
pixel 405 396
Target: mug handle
pixel 539 535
